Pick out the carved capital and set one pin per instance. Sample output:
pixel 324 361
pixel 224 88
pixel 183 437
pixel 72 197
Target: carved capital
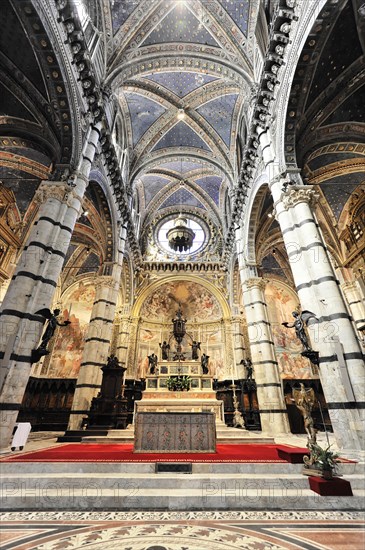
pixel 349 286
pixel 105 281
pixel 296 195
pixel 52 190
pixel 256 282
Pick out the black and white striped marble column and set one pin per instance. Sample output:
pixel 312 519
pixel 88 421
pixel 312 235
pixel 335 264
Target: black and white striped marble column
pixel 341 365
pixel 356 302
pixel 34 282
pixel 98 337
pixel 239 346
pixel 97 344
pixel 273 413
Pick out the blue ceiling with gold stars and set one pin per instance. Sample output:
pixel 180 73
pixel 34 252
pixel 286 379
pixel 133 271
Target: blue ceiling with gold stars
pixel 180 25
pixel 143 112
pixel 182 198
pixel 218 113
pixel 180 83
pixel 173 42
pixel 181 135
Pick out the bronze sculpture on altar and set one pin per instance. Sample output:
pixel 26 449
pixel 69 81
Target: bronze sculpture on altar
pixel 204 363
pixel 164 350
pixel 179 331
pixel 194 349
pixel 152 363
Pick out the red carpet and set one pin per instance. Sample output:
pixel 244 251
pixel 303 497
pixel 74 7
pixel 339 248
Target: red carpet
pixel 79 452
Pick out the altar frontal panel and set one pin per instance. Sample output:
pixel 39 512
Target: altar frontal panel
pixel 175 432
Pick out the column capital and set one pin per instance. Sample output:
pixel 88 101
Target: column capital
pixel 105 281
pixel 59 190
pixel 52 190
pixel 349 286
pixel 256 282
pixel 298 194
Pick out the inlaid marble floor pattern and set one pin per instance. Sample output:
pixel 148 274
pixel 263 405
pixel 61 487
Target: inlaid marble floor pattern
pixel 307 530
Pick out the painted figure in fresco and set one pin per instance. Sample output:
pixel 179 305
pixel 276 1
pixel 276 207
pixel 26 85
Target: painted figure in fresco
pixel 152 363
pixel 51 325
pixel 164 349
pixel 194 349
pixel 299 324
pixel 204 363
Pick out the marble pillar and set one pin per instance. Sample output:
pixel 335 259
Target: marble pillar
pixel 98 339
pixel 34 282
pixel 273 413
pixel 355 301
pixel 239 346
pixel 341 363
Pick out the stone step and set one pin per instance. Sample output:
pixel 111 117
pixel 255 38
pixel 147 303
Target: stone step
pixel 166 481
pixel 105 468
pixel 210 497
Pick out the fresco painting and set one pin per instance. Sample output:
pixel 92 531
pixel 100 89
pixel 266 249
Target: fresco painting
pixel 69 341
pixel 281 302
pixel 197 303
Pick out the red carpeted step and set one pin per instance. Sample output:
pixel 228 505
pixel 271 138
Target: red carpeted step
pixel 78 452
pixel 335 487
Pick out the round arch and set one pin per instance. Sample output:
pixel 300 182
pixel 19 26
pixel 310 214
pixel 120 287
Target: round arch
pixel 186 278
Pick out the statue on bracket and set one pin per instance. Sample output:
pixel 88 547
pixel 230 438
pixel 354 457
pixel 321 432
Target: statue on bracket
pixel 301 320
pixel 51 326
pixel 247 363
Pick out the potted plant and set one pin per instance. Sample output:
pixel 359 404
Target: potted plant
pixel 321 462
pixel 178 383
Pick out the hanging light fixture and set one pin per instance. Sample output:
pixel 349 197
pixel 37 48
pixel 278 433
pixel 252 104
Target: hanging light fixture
pixel 180 237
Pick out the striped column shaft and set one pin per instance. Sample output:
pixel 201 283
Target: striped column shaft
pixel 342 374
pixel 273 412
pixel 34 283
pixel 355 301
pixel 123 338
pixel 239 346
pixel 97 344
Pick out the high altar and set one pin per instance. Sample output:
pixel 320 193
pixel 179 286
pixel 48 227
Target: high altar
pixel 199 398
pixel 178 385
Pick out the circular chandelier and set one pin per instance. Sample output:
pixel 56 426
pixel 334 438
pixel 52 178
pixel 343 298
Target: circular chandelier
pixel 180 237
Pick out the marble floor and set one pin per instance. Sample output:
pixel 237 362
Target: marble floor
pixel 254 530
pixel 180 530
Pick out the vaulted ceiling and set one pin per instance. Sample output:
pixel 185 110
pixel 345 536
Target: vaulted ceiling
pixel 182 72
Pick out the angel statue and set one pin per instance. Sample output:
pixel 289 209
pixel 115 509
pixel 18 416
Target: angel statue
pixel 299 324
pixel 51 325
pixel 305 400
pixel 49 331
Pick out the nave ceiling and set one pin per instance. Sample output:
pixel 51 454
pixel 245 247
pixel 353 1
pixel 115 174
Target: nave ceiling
pixel 183 74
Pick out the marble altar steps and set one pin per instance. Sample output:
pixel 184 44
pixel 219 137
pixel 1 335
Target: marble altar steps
pixel 225 435
pixel 211 486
